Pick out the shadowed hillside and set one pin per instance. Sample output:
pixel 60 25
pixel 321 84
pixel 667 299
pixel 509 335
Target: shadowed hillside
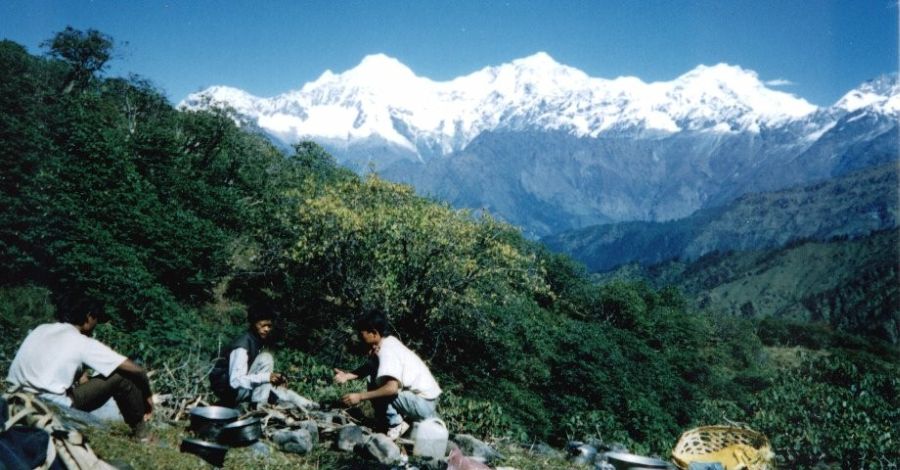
pixel 852 206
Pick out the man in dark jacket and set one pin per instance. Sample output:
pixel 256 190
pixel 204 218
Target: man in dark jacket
pixel 245 373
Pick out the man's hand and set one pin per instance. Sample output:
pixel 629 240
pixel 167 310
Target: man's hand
pixel 277 379
pixel 351 399
pixel 342 376
pixel 84 378
pixel 148 408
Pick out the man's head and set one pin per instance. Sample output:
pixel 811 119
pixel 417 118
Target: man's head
pixel 261 320
pixel 371 327
pixel 82 311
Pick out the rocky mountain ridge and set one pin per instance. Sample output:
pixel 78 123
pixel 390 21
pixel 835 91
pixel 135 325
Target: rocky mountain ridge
pixel 549 148
pixel 852 206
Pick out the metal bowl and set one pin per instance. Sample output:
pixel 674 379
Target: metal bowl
pixel 623 461
pixel 211 452
pixel 207 421
pixel 241 433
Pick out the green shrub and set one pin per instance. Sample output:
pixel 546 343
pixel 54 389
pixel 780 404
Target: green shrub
pixel 833 410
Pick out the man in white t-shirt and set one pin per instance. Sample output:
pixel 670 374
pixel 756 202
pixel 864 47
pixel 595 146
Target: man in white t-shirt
pixel 401 386
pixel 51 360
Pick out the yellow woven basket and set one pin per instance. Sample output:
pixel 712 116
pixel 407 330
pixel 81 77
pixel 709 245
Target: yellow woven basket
pixel 733 447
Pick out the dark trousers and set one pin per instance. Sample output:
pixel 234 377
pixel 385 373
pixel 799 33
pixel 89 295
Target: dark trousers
pixel 121 387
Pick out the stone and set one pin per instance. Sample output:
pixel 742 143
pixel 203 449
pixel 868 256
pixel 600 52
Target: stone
pixel 349 437
pixel 295 441
pixel 475 448
pixel 260 450
pixel 382 449
pixel 313 429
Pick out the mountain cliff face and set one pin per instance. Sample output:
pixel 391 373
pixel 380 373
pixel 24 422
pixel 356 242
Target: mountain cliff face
pixel 852 206
pixel 547 147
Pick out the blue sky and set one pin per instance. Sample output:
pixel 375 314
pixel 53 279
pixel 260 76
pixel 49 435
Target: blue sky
pixel 823 48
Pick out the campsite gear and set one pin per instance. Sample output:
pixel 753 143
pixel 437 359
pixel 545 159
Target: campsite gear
pixel 381 448
pixel 69 445
pixel 581 453
pixel 207 421
pixel 211 452
pixel 624 461
pixel 706 466
pixel 23 448
pixel 241 433
pixel 430 437
pixel 457 461
pixel 735 448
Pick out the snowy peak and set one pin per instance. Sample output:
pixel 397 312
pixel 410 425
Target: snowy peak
pixel 881 94
pixel 380 69
pixel 734 96
pixel 382 98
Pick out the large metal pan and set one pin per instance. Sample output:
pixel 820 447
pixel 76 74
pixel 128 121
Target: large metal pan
pixel 207 421
pixel 241 433
pixel 623 461
pixel 208 451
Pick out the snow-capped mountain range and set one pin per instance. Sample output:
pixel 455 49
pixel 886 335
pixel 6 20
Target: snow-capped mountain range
pixel 550 148
pixel 382 98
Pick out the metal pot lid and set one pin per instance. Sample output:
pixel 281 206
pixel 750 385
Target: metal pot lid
pixel 215 412
pixel 637 461
pixel 242 423
pixel 203 444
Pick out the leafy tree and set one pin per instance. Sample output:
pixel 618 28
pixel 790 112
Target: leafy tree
pixel 86 52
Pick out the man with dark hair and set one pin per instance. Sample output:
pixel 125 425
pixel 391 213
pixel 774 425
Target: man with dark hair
pixel 50 363
pixel 245 373
pixel 400 384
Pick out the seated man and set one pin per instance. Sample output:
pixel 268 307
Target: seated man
pixel 401 386
pixel 246 374
pixel 51 360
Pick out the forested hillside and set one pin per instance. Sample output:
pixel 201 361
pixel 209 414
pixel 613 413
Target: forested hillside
pixel 177 220
pixel 849 284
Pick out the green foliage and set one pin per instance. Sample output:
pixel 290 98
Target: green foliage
pixel 478 417
pixel 21 308
pixel 834 409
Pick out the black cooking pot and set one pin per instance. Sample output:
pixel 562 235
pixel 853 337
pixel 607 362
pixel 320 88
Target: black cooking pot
pixel 211 452
pixel 207 421
pixel 241 433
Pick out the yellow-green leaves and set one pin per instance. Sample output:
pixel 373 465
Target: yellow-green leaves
pixel 408 254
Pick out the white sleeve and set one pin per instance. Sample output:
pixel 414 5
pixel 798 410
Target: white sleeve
pixel 389 366
pixel 237 371
pixel 100 357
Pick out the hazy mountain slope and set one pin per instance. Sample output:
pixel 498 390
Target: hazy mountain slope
pixel 853 205
pixel 851 284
